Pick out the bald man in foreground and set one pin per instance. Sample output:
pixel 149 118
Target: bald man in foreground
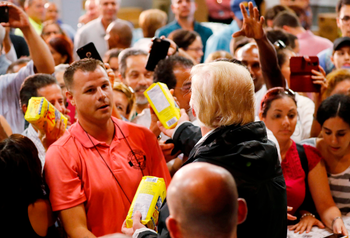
pixel 203 202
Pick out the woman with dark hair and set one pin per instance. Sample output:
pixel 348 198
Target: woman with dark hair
pixel 302 166
pixel 334 118
pixel 61 50
pixel 190 42
pixel 24 208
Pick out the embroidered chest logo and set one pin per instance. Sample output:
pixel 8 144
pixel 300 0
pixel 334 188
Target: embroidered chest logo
pixel 137 159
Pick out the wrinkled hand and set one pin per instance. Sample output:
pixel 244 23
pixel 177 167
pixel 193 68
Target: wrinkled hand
pixel 339 227
pixel 47 138
pixel 306 223
pixel 166 149
pixel 169 132
pixel 319 77
pixel 17 17
pixel 253 24
pixel 136 224
pixel 289 216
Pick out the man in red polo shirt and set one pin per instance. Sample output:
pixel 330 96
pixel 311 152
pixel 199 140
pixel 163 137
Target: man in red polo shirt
pixel 93 171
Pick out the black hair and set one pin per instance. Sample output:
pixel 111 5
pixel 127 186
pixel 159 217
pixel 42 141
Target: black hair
pixel 340 4
pixel 183 38
pixel 164 71
pixel 21 181
pixel 337 105
pixel 31 85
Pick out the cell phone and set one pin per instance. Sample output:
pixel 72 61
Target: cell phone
pixel 300 73
pixel 4 14
pixel 158 52
pixel 336 236
pixel 89 51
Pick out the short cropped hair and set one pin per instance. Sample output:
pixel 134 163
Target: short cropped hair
pixel 337 105
pixel 85 65
pixel 340 4
pixel 286 18
pixel 151 20
pixel 334 78
pixel 124 55
pixel 31 85
pixel 272 12
pixel 164 71
pixel 222 94
pixel 10 69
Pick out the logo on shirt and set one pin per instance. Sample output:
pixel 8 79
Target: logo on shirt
pixel 137 159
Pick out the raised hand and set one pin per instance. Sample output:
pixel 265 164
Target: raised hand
pixel 253 24
pixel 17 17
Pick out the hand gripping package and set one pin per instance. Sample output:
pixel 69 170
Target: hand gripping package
pixel 148 199
pixel 163 104
pixel 40 110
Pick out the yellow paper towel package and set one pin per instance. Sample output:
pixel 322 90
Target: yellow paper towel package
pixel 40 110
pixel 148 199
pixel 163 104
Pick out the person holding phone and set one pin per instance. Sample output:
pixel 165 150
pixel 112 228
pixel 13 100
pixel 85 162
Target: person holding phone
pixel 279 113
pixel 10 84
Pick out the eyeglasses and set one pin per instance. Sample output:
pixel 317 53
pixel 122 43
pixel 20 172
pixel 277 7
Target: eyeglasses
pixel 186 87
pixel 345 19
pixel 196 49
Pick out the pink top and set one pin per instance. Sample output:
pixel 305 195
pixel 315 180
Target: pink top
pixel 76 173
pixel 294 174
pixel 311 44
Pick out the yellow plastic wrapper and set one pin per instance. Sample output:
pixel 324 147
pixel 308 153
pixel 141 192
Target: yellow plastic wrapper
pixel 148 199
pixel 163 104
pixel 40 110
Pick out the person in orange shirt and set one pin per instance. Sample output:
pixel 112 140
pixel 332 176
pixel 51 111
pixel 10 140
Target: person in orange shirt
pixel 93 171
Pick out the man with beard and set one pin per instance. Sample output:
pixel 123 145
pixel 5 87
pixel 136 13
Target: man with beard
pixel 132 70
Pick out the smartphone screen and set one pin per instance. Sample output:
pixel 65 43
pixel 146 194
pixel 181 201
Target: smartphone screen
pixel 89 51
pixel 4 14
pixel 158 52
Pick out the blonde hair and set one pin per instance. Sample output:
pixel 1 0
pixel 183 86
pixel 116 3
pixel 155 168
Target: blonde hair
pixel 130 95
pixel 222 94
pixel 334 78
pixel 151 20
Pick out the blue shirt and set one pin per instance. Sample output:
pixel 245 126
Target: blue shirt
pixel 203 31
pixel 4 64
pixel 324 58
pixel 221 40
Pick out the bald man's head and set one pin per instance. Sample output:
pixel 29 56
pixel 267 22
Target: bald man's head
pixel 119 35
pixel 202 201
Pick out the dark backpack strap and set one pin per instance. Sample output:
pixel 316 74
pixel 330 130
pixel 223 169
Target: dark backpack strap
pixel 308 203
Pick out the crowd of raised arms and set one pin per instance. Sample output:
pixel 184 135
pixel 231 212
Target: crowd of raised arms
pixel 261 147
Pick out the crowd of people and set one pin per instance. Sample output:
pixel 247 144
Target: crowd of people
pixel 249 156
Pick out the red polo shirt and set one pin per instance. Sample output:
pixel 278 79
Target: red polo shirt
pixel 76 173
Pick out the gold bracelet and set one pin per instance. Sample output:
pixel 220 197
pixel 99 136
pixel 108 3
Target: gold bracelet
pixel 307 214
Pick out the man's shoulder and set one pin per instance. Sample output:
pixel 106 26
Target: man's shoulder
pixel 167 29
pixel 325 53
pixel 89 26
pixel 203 29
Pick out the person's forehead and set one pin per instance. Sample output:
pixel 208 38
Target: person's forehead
pixel 37 2
pixel 136 61
pixel 345 47
pixel 50 91
pixel 82 77
pixel 182 74
pixel 345 10
pixel 50 6
pixel 247 52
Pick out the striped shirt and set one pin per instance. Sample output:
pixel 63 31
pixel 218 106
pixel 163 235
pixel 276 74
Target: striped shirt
pixel 340 189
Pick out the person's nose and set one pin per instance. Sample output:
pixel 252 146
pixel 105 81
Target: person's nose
pixel 286 121
pixel 334 140
pixel 101 93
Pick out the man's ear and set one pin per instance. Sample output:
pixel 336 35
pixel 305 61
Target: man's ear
pixel 70 97
pixel 338 22
pixel 24 108
pixel 242 210
pixel 286 28
pixel 193 112
pixel 261 117
pixel 332 58
pixel 173 227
